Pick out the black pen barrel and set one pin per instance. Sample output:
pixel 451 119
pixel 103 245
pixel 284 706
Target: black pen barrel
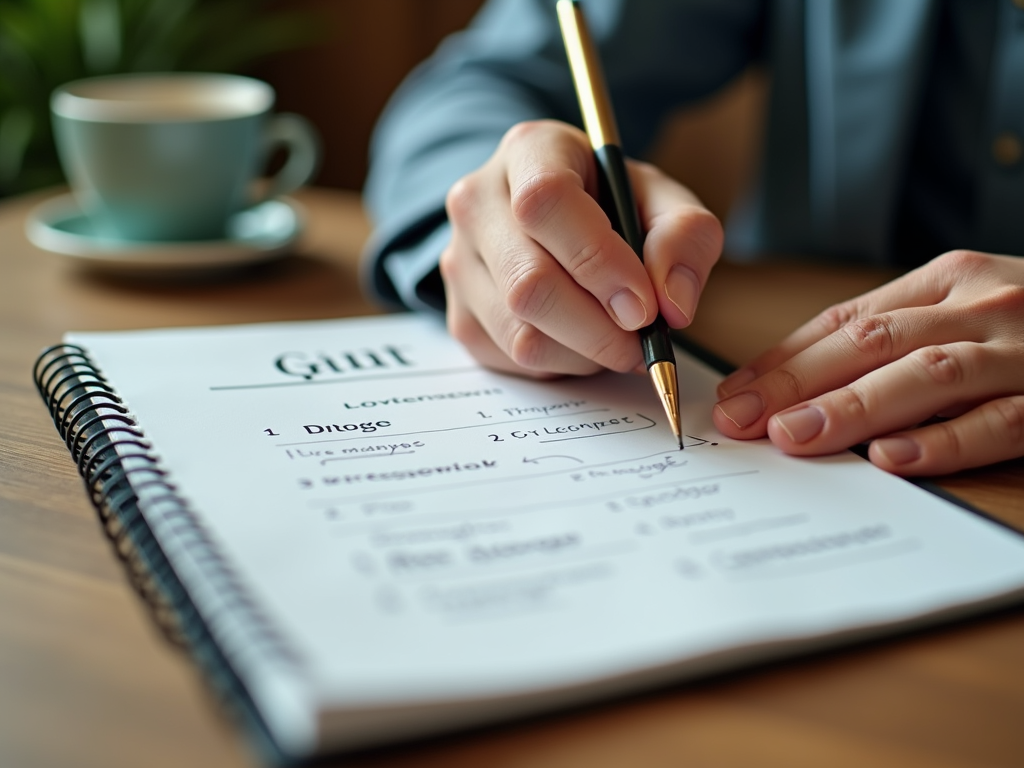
pixel 656 343
pixel 615 195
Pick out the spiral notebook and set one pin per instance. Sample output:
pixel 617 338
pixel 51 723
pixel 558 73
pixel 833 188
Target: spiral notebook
pixel 361 536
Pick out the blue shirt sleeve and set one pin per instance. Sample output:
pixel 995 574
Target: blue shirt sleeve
pixel 509 66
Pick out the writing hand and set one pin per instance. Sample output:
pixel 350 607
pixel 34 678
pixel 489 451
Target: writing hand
pixel 946 340
pixel 537 282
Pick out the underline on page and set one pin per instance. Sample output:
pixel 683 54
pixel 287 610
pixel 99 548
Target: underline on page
pixel 605 434
pixel 375 436
pixel 392 494
pixel 377 377
pixel 530 476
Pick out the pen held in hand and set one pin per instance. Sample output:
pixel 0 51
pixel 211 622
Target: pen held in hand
pixel 615 194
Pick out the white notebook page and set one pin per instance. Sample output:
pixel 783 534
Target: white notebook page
pixel 421 530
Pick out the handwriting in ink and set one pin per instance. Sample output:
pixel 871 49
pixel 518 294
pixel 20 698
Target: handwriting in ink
pixel 544 410
pixel 644 470
pixel 697 441
pixel 597 426
pixel 423 398
pixel 399 474
pixel 334 454
pixel 603 426
pixel 366 426
pixel 597 429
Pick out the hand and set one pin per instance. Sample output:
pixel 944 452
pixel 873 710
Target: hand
pixel 537 282
pixel 946 341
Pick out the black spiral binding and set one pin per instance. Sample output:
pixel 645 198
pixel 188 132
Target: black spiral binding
pixel 117 464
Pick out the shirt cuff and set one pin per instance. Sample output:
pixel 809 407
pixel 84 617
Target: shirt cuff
pixel 414 273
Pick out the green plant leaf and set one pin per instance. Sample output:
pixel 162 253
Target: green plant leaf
pixel 45 43
pixel 15 135
pixel 100 30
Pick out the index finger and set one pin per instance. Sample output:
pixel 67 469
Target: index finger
pixel 684 240
pixel 920 288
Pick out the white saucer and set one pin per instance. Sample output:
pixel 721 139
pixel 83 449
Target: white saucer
pixel 258 234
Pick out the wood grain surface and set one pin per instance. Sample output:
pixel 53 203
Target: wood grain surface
pixel 85 679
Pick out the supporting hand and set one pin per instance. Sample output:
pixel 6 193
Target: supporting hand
pixel 945 341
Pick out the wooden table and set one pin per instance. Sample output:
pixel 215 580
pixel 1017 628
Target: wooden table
pixel 85 680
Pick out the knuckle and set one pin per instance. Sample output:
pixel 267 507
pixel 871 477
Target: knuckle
pixel 526 346
pixel 588 262
pixel 852 403
pixel 948 441
pixel 461 199
pixel 962 262
pixel 789 385
pixel 836 316
pixel 523 131
pixel 529 289
pixel 874 335
pixel 1006 420
pixel 945 366
pixel 534 200
pixel 610 352
pixel 448 264
pixel 543 132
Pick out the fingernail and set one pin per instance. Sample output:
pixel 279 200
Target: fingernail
pixel 742 410
pixel 735 380
pixel 682 289
pixel 803 424
pixel 628 309
pixel 898 450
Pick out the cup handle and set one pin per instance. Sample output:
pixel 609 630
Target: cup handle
pixel 298 137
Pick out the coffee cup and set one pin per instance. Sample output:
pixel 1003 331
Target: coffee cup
pixel 173 157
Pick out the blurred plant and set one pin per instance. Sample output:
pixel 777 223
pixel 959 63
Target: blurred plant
pixel 44 43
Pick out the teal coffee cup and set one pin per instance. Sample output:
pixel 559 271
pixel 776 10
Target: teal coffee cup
pixel 169 157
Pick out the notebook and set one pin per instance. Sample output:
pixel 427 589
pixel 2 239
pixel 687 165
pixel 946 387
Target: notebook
pixel 361 536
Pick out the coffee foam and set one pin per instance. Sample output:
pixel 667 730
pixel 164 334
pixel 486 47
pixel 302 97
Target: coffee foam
pixel 162 98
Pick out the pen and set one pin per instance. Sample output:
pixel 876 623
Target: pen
pixel 615 193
